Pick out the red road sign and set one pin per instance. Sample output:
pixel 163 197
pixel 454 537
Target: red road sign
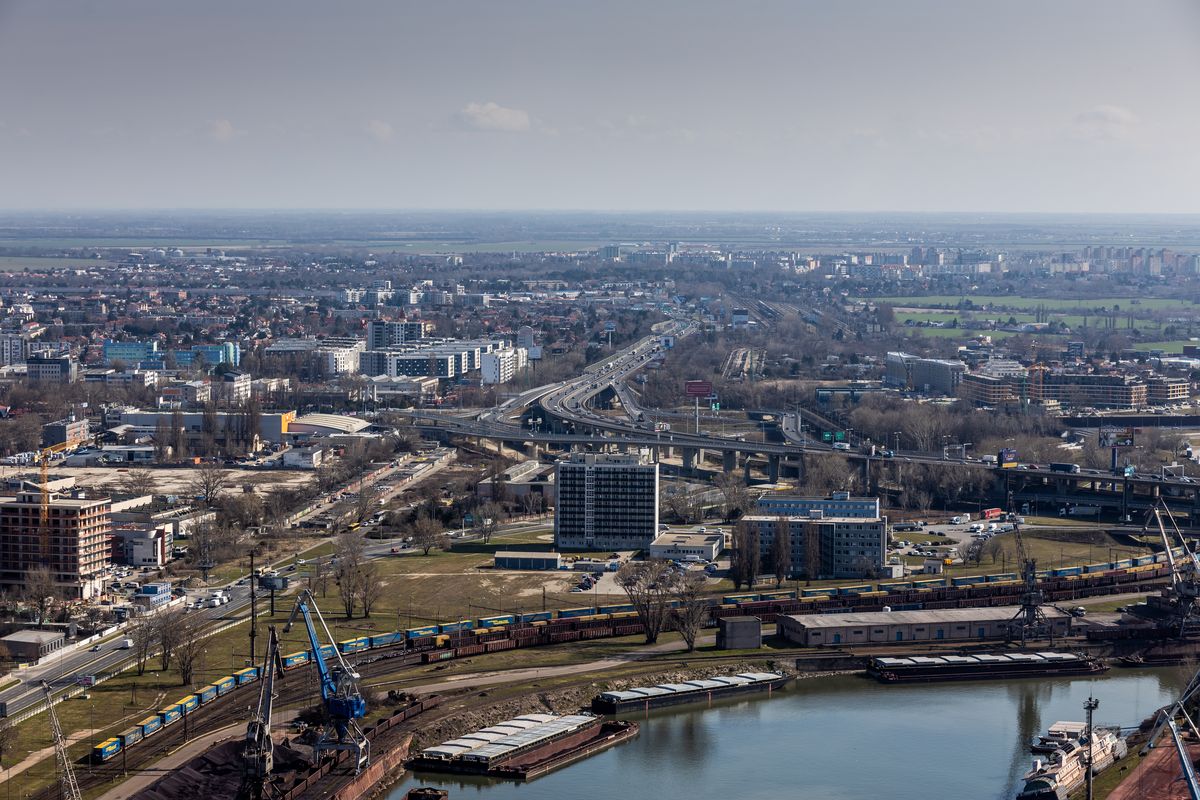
pixel 698 388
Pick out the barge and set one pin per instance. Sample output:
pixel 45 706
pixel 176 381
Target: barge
pixel 982 666
pixel 525 747
pixel 669 694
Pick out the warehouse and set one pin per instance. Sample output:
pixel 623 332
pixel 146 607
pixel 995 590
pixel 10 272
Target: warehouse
pixel 822 630
pixel 678 545
pixel 519 560
pixel 30 645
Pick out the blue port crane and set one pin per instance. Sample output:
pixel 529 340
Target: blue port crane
pixel 344 703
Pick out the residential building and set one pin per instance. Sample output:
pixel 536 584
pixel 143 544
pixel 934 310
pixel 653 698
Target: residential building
pixel 825 547
pixel 503 365
pixel 233 387
pixel 132 353
pixel 382 335
pixel 75 548
pixel 1163 390
pixel 838 504
pixel 606 502
pixel 50 368
pixel 69 432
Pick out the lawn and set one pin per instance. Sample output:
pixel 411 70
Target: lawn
pixel 1091 305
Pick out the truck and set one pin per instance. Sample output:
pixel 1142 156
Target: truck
pixel 991 513
pixel 124 644
pixel 960 519
pixel 989 460
pixel 1080 511
pixel 1072 469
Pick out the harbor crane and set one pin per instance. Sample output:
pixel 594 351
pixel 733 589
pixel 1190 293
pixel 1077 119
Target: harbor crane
pixel 68 786
pixel 1165 721
pixel 258 756
pixel 344 703
pixel 1180 597
pixel 1030 621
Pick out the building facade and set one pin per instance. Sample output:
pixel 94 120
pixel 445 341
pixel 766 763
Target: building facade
pixel 76 546
pixel 825 547
pixel 606 502
pixel 838 504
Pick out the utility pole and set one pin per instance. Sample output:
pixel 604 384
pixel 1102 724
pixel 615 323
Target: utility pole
pixel 253 611
pixel 1090 705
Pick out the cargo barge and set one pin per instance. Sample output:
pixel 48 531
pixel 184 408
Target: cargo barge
pixel 670 694
pixel 525 747
pixel 982 666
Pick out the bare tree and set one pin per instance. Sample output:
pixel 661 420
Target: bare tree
pixel 370 588
pixel 744 561
pixel 318 575
pixel 137 481
pixel 208 483
pixel 169 625
pixel 691 608
pixel 992 548
pixel 8 739
pixel 144 632
pixel 41 592
pixel 648 585
pixel 348 574
pixel 735 494
pixel 426 534
pixel 781 550
pixel 188 648
pixel 490 515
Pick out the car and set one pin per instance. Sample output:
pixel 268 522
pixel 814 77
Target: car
pixel 1078 611
pixel 94 648
pixel 292 568
pixel 301 561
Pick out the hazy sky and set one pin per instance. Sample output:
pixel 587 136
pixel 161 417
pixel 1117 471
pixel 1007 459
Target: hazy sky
pixel 1042 105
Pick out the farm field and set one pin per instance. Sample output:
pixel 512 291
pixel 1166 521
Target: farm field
pixel 1050 304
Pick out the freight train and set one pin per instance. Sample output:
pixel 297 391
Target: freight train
pixel 468 637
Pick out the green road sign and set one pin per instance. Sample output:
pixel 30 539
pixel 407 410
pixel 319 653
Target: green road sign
pixel 716 406
pixel 840 436
pixel 826 436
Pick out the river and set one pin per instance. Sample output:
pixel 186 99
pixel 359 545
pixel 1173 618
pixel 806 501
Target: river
pixel 839 738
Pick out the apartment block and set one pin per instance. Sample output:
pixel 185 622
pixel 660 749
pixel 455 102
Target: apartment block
pixel 606 502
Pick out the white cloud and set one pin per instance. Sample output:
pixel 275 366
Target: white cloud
pixel 493 117
pixel 222 130
pixel 1105 122
pixel 379 130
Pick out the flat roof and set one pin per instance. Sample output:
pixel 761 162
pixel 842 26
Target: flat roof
pixel 687 539
pixel 337 422
pixel 996 614
pixel 33 637
pixel 530 554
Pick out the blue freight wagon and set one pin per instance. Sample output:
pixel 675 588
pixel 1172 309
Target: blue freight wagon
pixel 455 627
pixel 853 590
pixel 569 613
pixel 131 736
pixel 387 639
pixel 106 749
pixel 170 715
pixel 150 725
pixel 1004 576
pixel 189 704
pixel 207 694
pixel 829 592
pixel 734 599
pixel 783 595
pixel 1067 572
pixel 499 621
pixel 1090 568
pixel 295 659
pixel 1143 560
pixel 225 684
pixel 894 586
pixel 421 633
pixel 247 675
pixel 967 580
pixel 327 651
pixel 1124 563
pixel 537 616
pixel 356 645
pixel 621 609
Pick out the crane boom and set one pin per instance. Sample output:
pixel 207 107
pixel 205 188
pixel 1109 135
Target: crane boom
pixel 1185 762
pixel 344 703
pixel 66 773
pixel 258 757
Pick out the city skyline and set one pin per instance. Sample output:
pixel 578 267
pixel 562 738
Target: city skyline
pixel 924 107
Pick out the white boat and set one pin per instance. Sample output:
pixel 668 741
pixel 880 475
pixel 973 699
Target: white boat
pixel 1065 769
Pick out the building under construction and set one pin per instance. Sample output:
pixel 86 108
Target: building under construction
pixel 64 531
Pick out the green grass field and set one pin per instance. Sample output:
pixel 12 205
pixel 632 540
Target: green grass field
pixel 1032 303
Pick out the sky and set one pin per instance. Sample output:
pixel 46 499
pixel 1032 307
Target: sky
pixel 797 105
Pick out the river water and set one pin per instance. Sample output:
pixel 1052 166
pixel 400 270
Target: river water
pixel 839 738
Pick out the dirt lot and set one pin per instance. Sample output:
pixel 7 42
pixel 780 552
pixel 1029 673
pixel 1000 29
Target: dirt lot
pixel 175 480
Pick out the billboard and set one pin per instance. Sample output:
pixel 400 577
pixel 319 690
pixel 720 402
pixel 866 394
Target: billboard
pixel 85 680
pixel 1006 458
pixel 698 388
pixel 1116 437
